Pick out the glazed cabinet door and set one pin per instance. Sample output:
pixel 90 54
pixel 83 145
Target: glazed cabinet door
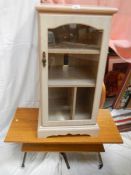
pixel 72 60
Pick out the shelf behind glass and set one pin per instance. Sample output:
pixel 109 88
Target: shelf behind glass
pixel 69 76
pixel 73 48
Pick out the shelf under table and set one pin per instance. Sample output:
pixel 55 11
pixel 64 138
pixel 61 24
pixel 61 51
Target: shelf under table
pixel 70 77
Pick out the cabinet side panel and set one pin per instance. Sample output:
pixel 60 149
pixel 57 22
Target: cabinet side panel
pixel 101 66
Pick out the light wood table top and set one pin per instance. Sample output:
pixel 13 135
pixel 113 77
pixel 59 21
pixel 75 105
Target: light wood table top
pixel 23 129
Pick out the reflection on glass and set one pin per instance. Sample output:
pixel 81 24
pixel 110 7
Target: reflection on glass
pixel 73 57
pixel 74 35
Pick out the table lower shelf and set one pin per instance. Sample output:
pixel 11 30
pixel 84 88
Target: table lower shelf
pixel 26 147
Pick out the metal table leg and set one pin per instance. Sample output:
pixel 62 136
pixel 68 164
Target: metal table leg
pixel 100 161
pixel 100 165
pixel 65 159
pixel 23 161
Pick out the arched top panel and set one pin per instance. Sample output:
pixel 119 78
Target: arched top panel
pixel 56 20
pixel 74 33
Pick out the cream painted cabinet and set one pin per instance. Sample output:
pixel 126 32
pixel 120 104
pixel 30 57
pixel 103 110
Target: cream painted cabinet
pixel 73 45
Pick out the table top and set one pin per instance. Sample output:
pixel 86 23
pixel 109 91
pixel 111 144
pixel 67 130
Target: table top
pixel 23 129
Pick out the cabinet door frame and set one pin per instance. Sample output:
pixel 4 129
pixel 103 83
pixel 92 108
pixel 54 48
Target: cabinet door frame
pixel 43 48
pixel 50 21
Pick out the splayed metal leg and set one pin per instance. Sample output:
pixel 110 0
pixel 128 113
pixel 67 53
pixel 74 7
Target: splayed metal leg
pixel 23 161
pixel 100 165
pixel 65 159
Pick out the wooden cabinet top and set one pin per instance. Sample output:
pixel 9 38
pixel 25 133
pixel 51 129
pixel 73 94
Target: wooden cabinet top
pixel 75 9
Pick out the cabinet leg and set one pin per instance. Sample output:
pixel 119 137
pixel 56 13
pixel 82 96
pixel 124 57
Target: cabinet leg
pixel 100 165
pixel 23 161
pixel 65 159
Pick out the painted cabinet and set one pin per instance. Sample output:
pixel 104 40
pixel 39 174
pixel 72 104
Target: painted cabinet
pixel 73 45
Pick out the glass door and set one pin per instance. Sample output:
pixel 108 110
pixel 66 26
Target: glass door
pixel 73 57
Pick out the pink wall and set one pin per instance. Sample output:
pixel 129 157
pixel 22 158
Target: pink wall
pixel 120 38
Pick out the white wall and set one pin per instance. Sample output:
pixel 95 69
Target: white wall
pixel 18 57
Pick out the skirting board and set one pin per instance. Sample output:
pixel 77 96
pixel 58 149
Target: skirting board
pixel 44 132
pixel 47 131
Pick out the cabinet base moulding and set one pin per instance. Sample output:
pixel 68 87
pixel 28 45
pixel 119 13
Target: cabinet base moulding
pixel 91 130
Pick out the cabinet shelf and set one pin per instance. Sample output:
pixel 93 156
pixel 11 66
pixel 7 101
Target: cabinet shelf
pixel 82 116
pixel 68 76
pixel 73 48
pixel 60 103
pixel 60 114
pixel 67 103
pixel 84 103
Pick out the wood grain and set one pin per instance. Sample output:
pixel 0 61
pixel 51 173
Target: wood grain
pixel 23 129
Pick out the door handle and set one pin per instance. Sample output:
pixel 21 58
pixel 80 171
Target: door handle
pixel 43 59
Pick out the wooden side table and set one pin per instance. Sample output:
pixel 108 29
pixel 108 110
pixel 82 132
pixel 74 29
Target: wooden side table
pixel 23 130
